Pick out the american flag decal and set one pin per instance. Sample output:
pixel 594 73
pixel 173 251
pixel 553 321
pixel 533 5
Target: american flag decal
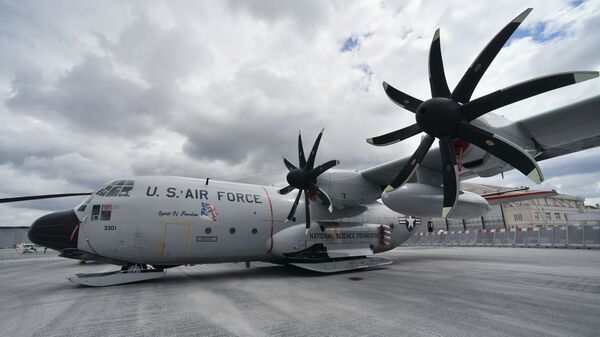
pixel 209 211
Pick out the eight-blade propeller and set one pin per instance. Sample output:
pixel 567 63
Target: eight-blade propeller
pixel 304 178
pixel 447 115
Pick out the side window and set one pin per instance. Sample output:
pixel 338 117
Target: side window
pixel 95 212
pixel 101 212
pixel 106 212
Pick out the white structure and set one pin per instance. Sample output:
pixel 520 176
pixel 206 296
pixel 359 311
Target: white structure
pixel 546 211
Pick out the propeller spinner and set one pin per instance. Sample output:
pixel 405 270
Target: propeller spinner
pixel 304 178
pixel 447 115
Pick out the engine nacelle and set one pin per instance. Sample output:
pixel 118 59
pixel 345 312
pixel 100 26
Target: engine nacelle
pixel 426 201
pixel 348 188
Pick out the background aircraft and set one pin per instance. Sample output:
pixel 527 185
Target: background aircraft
pixel 171 221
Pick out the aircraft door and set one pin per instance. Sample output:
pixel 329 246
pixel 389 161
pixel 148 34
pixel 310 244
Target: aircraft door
pixel 176 241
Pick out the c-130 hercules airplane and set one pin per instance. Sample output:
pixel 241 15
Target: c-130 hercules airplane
pixel 165 222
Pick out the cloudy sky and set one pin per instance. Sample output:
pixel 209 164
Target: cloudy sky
pixel 92 91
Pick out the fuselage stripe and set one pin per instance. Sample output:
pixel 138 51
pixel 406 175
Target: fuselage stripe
pixel 272 220
pixel 74 231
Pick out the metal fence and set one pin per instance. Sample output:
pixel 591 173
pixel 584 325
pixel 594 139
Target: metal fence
pixel 549 236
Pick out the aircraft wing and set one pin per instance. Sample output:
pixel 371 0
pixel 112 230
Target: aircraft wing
pixel 384 173
pixel 565 130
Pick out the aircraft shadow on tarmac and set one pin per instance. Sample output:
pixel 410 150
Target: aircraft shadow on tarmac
pixel 175 276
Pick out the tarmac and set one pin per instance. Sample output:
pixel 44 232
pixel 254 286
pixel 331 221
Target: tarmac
pixel 455 291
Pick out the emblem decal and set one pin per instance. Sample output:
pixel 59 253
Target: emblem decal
pixel 410 222
pixel 208 211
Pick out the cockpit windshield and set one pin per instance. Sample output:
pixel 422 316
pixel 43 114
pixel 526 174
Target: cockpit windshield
pixel 117 188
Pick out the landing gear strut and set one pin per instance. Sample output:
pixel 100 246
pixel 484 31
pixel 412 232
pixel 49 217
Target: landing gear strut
pixel 134 268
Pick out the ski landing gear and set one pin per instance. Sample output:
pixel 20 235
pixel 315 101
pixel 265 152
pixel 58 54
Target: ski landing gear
pixel 127 274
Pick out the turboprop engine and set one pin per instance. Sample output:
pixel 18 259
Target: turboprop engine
pixel 425 201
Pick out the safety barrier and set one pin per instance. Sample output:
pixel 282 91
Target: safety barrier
pixel 548 236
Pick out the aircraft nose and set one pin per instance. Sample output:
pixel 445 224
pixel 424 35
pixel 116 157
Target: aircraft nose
pixel 58 230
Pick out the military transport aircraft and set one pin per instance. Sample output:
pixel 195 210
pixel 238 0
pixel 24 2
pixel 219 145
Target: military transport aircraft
pixel 165 222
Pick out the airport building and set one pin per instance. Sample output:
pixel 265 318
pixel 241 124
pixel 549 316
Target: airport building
pixel 546 211
pixel 11 236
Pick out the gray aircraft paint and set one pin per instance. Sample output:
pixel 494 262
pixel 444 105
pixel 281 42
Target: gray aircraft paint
pixel 160 222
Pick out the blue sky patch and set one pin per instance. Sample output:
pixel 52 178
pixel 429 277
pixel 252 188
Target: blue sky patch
pixel 349 44
pixel 576 3
pixel 365 82
pixel 538 33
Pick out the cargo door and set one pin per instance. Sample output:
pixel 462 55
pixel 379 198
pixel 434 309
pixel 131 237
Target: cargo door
pixel 176 239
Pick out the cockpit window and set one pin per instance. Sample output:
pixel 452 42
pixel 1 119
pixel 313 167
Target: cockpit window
pixel 118 188
pixel 106 212
pixel 84 204
pixel 101 212
pixel 95 212
pixel 103 191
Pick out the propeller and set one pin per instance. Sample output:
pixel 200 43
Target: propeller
pixel 304 178
pixel 447 115
pixel 42 196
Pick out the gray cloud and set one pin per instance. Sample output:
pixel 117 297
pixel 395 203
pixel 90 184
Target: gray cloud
pixel 96 91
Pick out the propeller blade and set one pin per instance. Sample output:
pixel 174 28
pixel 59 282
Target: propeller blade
pixel 313 153
pixel 437 77
pixel 395 136
pixel 450 176
pixel 480 106
pixel 286 190
pixel 323 196
pixel 42 196
pixel 403 100
pixel 465 87
pixel 317 171
pixel 301 159
pixel 289 165
pixel 503 149
pixel 307 210
pixel 411 165
pixel 294 206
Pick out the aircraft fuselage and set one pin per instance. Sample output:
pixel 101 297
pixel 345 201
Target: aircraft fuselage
pixel 175 220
